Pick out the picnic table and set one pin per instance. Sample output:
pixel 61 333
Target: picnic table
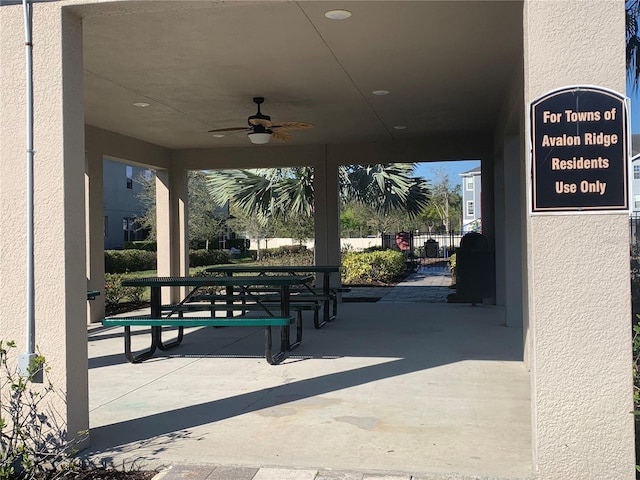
pixel 326 294
pixel 156 320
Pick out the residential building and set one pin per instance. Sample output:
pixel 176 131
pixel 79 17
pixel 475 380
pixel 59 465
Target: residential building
pixel 471 200
pixel 121 191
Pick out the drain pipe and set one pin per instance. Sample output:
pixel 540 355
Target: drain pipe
pixel 26 359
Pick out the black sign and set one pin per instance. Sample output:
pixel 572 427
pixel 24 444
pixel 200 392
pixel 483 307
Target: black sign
pixel 580 150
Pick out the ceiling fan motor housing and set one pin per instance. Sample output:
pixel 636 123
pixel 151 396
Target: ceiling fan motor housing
pixel 260 128
pixel 258 115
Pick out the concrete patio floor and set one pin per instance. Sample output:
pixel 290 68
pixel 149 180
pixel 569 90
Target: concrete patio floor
pixel 427 390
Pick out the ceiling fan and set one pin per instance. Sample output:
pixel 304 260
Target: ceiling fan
pixel 261 129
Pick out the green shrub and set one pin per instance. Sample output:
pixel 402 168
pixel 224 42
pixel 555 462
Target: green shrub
pixel 636 384
pixel 33 438
pixel 114 292
pixel 287 255
pixel 147 245
pixel 452 263
pixel 200 258
pixel 376 248
pixel 284 251
pixel 135 294
pixel 369 267
pixel 122 261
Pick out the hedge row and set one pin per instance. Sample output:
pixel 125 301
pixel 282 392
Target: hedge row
pixel 122 261
pixel 239 243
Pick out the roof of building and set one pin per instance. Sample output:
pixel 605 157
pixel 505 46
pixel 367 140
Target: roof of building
pixel 473 171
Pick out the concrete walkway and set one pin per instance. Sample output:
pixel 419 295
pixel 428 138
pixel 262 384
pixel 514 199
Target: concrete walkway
pixel 429 284
pixel 396 389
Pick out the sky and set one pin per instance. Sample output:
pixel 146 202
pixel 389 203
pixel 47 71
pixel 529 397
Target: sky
pixel 428 170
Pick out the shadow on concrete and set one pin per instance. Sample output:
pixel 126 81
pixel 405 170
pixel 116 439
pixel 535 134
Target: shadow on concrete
pixel 410 338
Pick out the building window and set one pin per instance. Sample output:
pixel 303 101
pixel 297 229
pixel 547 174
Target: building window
pixel 470 210
pixel 128 229
pixel 636 202
pixel 129 171
pixel 148 175
pixel 469 184
pixel 636 172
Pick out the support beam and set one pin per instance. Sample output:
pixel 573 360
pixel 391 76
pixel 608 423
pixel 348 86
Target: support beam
pixel 171 223
pixel 94 209
pixel 327 214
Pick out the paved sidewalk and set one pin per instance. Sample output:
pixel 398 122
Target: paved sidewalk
pixel 429 284
pixel 204 472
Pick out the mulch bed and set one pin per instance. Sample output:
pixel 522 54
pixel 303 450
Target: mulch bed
pixel 112 474
pixel 125 307
pixel 360 299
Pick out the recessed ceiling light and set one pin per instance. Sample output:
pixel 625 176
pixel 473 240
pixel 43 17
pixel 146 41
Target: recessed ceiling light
pixel 218 135
pixel 380 92
pixel 338 14
pixel 399 127
pixel 141 104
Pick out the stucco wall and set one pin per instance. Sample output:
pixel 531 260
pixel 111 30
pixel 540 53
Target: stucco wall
pixel 578 270
pixel 59 222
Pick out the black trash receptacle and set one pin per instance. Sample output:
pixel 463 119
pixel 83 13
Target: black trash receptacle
pixel 431 248
pixel 474 269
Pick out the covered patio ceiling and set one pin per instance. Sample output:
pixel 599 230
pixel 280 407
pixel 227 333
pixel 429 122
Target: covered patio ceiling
pixel 447 66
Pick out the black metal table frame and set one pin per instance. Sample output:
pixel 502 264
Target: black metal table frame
pixel 326 271
pixel 157 283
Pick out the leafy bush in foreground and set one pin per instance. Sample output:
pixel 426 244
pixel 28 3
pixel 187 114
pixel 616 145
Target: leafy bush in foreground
pixel 33 441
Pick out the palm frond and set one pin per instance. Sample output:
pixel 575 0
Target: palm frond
pixel 284 192
pixel 632 12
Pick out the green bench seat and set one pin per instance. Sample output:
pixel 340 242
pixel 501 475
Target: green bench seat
pixel 156 325
pixel 272 302
pixel 92 294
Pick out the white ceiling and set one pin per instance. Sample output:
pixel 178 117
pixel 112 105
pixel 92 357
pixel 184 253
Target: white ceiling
pixel 447 65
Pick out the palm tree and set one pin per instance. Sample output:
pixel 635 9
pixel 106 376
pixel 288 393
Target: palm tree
pixel 633 41
pixel 283 192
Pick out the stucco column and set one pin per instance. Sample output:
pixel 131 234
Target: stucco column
pixel 578 270
pixel 327 214
pixel 59 205
pixel 513 166
pixel 499 221
pixel 94 209
pixel 171 223
pixel 487 206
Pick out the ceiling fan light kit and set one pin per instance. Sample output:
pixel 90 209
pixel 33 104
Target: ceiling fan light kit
pixel 259 138
pixel 261 129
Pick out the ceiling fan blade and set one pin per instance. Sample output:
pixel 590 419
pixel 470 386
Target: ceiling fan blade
pixel 280 135
pixel 260 121
pixel 292 125
pixel 230 129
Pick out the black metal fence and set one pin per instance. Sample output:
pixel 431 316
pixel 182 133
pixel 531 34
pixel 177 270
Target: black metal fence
pixel 423 245
pixel 634 226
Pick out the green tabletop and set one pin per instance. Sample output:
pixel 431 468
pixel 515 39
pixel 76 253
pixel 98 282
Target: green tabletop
pixel 275 269
pixel 226 281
